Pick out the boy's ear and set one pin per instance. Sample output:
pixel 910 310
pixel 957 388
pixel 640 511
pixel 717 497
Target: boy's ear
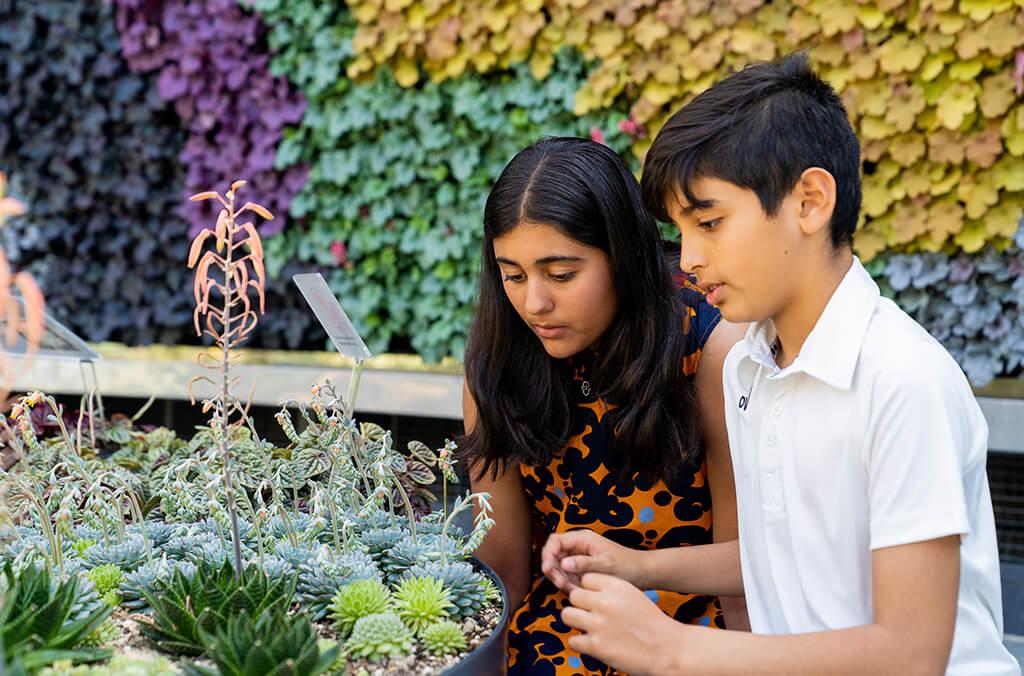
pixel 817 191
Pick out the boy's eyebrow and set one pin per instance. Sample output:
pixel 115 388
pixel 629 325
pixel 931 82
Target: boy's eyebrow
pixel 700 205
pixel 547 260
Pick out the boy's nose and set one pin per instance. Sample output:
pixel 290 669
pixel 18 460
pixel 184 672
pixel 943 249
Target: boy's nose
pixel 691 258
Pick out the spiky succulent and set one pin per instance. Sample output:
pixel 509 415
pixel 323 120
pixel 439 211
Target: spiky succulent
pixel 185 605
pixel 459 578
pixel 375 519
pixel 320 580
pixel 379 541
pixel 107 578
pixel 443 638
pixel 103 635
pixel 492 594
pixel 421 601
pixel 279 529
pixel 377 636
pixel 357 600
pixel 128 555
pixel 273 644
pixel 37 620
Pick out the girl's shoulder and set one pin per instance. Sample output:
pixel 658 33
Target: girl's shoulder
pixel 699 317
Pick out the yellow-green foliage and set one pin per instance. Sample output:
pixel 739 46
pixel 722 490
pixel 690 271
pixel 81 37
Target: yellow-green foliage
pixel 930 86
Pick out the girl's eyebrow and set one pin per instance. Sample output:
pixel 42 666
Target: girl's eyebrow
pixel 547 260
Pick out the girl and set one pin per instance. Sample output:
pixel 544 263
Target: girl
pixel 593 388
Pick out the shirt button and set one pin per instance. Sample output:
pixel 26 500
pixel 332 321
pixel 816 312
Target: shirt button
pixel 771 440
pixel 777 410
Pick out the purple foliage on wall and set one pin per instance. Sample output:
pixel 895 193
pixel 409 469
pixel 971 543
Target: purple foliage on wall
pixel 213 64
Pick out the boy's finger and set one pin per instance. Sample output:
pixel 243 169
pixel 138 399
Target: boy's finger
pixel 576 618
pixel 581 563
pixel 582 598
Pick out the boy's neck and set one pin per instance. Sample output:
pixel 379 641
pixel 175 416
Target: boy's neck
pixel 801 313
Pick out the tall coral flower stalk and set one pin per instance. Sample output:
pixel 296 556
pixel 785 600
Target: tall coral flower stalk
pixel 232 269
pixel 25 319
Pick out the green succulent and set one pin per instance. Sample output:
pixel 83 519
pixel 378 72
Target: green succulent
pixel 340 665
pixel 443 638
pixel 107 577
pixel 103 635
pixel 378 636
pixel 357 600
pixel 465 584
pixel 185 605
pixel 119 665
pixel 112 598
pixel 38 624
pixel 79 546
pixel 421 601
pixel 492 595
pixel 320 580
pixel 273 644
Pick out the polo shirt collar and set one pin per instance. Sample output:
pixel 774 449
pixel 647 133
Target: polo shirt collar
pixel 832 348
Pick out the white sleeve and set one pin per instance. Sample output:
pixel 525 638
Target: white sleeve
pixel 920 435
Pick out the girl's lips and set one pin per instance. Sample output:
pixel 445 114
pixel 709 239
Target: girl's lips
pixel 549 331
pixel 714 293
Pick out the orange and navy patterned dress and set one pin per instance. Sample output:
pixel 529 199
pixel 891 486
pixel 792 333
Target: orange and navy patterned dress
pixel 579 489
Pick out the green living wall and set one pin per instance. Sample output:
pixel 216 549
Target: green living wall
pixel 375 129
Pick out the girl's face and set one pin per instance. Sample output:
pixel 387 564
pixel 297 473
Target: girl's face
pixel 561 288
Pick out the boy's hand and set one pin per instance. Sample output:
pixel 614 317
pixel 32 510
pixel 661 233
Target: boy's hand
pixel 622 627
pixel 567 556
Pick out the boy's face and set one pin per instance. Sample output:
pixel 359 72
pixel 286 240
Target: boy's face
pixel 747 262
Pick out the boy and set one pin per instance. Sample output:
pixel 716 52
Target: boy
pixel 866 536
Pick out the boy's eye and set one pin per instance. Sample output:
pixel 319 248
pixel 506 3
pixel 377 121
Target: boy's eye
pixel 709 224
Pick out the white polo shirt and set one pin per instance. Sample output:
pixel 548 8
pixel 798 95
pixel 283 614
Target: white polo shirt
pixel 870 438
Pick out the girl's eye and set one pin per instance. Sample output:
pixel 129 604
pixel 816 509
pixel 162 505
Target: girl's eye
pixel 562 277
pixel 709 224
pixel 515 279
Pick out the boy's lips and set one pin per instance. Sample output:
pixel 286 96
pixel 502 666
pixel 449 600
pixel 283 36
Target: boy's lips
pixel 713 292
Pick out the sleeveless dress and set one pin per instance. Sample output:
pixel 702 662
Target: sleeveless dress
pixel 578 489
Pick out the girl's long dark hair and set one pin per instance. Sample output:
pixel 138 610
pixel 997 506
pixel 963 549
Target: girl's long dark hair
pixel 586 191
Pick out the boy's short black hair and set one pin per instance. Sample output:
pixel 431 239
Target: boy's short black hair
pixel 759 128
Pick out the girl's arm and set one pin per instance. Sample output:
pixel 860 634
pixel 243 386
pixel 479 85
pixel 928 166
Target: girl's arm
pixel 506 548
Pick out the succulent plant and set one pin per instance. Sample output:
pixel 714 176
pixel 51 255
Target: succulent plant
pixel 128 555
pixel 158 532
pixel 107 577
pixel 357 600
pixel 181 547
pixel 135 585
pixel 421 601
pixel 119 665
pixel 377 636
pixel 275 568
pixel 320 580
pixel 103 635
pixel 403 555
pixel 465 584
pixel 204 601
pixel 273 644
pixel 378 541
pixel 37 621
pixel 443 638
pixel 297 555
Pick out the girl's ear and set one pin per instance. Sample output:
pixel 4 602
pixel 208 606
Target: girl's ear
pixel 817 191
